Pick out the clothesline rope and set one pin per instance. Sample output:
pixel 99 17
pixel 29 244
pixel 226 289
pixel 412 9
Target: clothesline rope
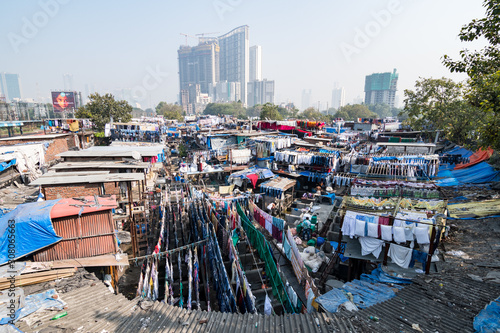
pixel 159 254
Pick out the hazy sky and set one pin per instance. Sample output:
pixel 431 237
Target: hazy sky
pixel 305 44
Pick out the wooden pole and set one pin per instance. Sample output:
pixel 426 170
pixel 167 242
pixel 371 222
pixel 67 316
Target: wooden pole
pixel 431 250
pixel 132 221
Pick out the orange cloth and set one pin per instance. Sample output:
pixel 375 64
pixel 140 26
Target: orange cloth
pixel 477 157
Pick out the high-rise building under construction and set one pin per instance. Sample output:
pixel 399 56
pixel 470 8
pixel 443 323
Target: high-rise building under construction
pixel 380 88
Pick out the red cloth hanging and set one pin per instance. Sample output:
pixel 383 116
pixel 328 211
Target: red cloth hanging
pixel 253 178
pixel 285 128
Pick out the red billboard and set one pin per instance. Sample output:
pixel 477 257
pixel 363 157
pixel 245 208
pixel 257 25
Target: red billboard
pixel 63 101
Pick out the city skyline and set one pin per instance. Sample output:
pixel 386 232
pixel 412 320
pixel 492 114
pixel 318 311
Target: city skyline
pixel 340 43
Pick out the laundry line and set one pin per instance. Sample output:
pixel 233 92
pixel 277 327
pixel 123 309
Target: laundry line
pixel 159 254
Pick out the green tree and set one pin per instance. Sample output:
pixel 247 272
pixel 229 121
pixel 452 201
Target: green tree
pixel 352 112
pixel 396 111
pixel 100 109
pixel 254 111
pixel 382 110
pixel 270 111
pixel 341 113
pixel 438 104
pixel 183 149
pixel 170 111
pixel 159 106
pixel 230 109
pixel 312 114
pixel 483 69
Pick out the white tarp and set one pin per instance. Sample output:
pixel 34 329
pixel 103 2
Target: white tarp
pixel 29 157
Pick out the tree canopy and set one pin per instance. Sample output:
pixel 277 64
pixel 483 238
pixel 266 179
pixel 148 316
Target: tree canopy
pixel 483 69
pixel 254 111
pixel 438 104
pixel 100 109
pixel 382 110
pixel 313 114
pixel 285 113
pixel 170 111
pixel 159 106
pixel 231 109
pixel 270 111
pixel 352 112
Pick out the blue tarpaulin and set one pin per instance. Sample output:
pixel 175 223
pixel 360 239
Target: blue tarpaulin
pixel 368 291
pixel 341 256
pixel 334 130
pixel 332 300
pixel 366 294
pixel 457 150
pixel 5 165
pixel 476 174
pixel 488 320
pixel 35 302
pixel 378 275
pixel 33 229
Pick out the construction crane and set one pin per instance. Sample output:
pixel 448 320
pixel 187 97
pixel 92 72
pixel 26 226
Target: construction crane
pixel 186 35
pixel 207 33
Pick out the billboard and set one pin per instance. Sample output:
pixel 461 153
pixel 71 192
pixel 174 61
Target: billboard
pixel 63 101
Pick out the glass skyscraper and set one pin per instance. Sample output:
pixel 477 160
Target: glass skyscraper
pixel 9 86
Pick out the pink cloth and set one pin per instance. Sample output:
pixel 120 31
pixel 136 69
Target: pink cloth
pixel 253 178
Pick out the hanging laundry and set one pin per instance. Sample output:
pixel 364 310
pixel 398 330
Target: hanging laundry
pixel 400 255
pixel 370 245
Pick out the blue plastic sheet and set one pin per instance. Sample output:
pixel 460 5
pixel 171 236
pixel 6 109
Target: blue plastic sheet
pixel 332 300
pixel 334 130
pixel 379 276
pixel 35 302
pixel 366 294
pixel 457 150
pixel 368 291
pixel 384 158
pixel 476 174
pixel 6 165
pixel 341 256
pixel 33 229
pixel 488 320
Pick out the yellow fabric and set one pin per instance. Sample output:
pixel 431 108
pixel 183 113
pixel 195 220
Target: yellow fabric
pixel 479 209
pixel 74 126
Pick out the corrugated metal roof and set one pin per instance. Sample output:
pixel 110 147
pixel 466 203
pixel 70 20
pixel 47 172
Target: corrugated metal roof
pixel 409 144
pixel 167 318
pixel 61 178
pixel 69 206
pixel 41 137
pixel 88 308
pixel 437 303
pixel 115 151
pixel 435 308
pixel 101 165
pixel 96 309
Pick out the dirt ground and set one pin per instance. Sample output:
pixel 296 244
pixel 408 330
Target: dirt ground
pixel 479 240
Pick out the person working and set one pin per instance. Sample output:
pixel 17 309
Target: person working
pixel 306 229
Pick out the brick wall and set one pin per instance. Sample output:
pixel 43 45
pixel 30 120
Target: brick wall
pixel 71 191
pixel 57 146
pixel 79 190
pixel 112 188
